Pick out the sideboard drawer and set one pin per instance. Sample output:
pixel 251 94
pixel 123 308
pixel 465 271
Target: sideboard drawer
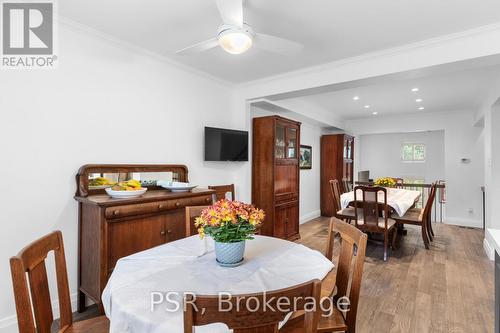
pixel 155 207
pixel 137 209
pixel 194 201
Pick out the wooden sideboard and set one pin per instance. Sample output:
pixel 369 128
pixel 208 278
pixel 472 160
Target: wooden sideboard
pixel 110 229
pixel 275 175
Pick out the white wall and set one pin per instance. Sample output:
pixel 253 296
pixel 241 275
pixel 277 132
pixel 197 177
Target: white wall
pixel 103 104
pixel 461 140
pixel 309 201
pixel 381 155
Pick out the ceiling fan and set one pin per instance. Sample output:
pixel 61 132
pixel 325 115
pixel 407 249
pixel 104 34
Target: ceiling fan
pixel 237 37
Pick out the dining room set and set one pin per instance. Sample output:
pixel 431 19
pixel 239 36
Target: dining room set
pixel 133 258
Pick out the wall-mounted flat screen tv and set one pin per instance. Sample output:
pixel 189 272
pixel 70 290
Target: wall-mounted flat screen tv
pixel 225 145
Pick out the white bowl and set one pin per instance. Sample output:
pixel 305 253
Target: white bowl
pixel 179 188
pixel 125 194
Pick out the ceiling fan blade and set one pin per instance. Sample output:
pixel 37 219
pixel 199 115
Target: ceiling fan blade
pixel 277 44
pixel 199 47
pixel 231 11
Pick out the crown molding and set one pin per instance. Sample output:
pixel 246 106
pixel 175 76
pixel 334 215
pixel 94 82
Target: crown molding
pixel 124 45
pixel 453 37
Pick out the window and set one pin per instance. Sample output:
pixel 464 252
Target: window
pixel 413 152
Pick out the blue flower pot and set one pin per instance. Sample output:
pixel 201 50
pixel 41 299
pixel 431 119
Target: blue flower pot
pixel 229 254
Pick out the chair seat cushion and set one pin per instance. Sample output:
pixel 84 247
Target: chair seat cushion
pixel 94 325
pixel 346 212
pixel 381 222
pixel 332 323
pixel 414 215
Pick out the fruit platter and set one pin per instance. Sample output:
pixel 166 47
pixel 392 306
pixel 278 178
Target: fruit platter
pixel 128 189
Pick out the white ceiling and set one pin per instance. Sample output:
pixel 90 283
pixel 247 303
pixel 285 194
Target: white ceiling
pixel 330 30
pixel 459 90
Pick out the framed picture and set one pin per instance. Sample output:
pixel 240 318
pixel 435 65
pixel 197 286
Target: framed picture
pixel 305 157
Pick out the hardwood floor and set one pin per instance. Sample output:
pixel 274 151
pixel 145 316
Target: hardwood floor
pixel 448 288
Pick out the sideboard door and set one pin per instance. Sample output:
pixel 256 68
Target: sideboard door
pixel 128 237
pixel 175 225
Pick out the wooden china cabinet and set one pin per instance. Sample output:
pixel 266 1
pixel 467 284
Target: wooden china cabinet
pixel 275 175
pixel 110 229
pixel 337 162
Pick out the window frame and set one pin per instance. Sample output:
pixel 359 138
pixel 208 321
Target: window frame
pixel 413 159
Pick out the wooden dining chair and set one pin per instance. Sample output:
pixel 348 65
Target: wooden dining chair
pixel 399 182
pixel 349 263
pixel 421 217
pixel 347 185
pixel 36 300
pixel 346 214
pixel 192 212
pixel 247 313
pixel 222 190
pixel 373 216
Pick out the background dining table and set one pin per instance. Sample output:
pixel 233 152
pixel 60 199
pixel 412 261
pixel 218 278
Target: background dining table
pixel 400 200
pixel 188 265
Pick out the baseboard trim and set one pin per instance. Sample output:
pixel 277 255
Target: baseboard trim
pixel 309 216
pixel 490 252
pixel 9 324
pixel 463 222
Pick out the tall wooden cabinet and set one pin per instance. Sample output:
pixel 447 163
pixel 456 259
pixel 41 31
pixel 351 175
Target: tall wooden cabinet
pixel 337 157
pixel 275 174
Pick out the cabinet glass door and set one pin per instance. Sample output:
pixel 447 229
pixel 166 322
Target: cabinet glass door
pixel 291 148
pixel 280 141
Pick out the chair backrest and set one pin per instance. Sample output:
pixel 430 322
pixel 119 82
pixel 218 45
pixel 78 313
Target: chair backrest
pixel 347 185
pixel 371 208
pixel 192 212
pixel 249 313
pixel 335 189
pixel 349 264
pixel 221 190
pixel 399 182
pixel 430 201
pixel 31 260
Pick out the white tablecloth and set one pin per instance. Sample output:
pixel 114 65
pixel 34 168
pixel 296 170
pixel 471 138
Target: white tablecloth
pixel 399 199
pixel 188 265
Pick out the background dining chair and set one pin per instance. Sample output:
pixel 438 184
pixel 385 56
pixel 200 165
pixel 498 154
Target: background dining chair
pixel 347 185
pixel 192 212
pixel 421 217
pixel 222 190
pixel 373 215
pixel 250 318
pixel 346 214
pixel 31 260
pixel 349 265
pixel 399 182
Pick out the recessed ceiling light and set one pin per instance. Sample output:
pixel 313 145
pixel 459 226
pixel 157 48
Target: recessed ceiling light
pixel 367 106
pixel 415 89
pixel 418 100
pixel 374 113
pixel 355 98
pixel 421 108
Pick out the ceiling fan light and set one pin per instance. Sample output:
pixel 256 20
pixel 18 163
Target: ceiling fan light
pixel 235 41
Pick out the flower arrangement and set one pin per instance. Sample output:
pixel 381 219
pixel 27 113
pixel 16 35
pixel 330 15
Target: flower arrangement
pixel 229 221
pixel 385 182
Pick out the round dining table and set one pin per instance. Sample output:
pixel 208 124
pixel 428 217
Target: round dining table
pixel 145 291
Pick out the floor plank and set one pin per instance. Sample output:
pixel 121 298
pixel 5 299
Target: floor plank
pixel 448 288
